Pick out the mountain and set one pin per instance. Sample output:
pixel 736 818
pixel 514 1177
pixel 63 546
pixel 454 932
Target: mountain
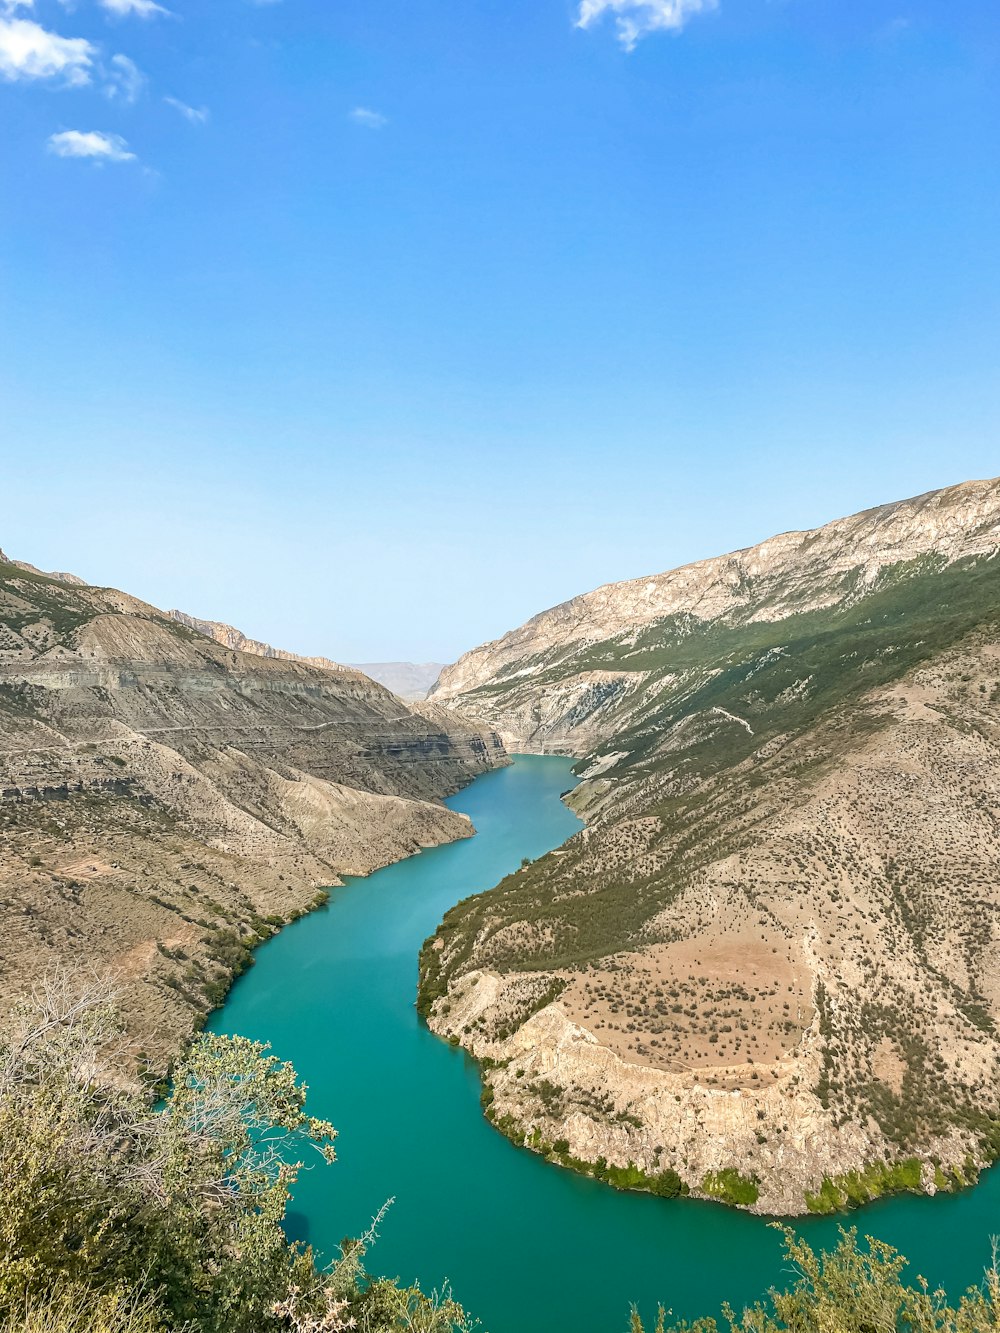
pixel 566 678
pixel 769 962
pixel 30 569
pixel 407 680
pixel 167 800
pixel 230 637
pixel 410 680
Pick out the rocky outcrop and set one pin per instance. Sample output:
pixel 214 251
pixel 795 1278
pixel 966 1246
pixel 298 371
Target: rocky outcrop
pixel 72 579
pixel 555 1082
pixel 231 637
pixel 212 791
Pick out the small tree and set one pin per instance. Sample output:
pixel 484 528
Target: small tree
pixel 113 1211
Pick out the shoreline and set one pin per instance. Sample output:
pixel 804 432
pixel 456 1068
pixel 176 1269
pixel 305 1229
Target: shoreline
pixel 834 1192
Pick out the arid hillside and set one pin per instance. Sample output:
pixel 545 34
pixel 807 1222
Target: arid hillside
pixel 767 970
pixel 584 671
pixel 167 801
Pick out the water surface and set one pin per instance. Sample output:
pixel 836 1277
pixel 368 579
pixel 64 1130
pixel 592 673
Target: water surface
pixel 527 1246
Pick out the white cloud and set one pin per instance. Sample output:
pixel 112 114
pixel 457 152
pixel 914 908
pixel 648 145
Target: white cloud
pixel 124 80
pixel 92 144
pixel 196 115
pixel 29 51
pixel 638 18
pixel 371 120
pixel 144 9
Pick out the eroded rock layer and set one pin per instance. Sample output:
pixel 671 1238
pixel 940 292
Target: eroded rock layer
pixel 166 801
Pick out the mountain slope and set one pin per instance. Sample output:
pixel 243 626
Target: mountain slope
pixel 566 678
pixel 166 800
pixel 230 637
pixel 773 952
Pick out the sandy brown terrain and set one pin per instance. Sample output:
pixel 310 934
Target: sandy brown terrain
pixel 774 949
pixel 739 1000
pixel 168 800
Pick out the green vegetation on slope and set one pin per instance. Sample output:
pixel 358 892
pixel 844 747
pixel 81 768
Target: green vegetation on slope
pixel 781 677
pixel 115 1218
pixel 733 726
pixel 29 599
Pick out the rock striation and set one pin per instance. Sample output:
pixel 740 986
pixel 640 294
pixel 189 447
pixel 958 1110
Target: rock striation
pixel 231 637
pixel 168 798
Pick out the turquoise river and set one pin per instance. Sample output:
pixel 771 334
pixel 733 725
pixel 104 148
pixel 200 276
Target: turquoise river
pixel 527 1247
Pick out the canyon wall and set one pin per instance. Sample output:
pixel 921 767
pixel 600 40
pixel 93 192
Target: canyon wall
pixel 167 799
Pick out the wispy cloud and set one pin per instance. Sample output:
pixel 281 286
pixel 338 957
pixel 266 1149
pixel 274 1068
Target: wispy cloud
pixel 371 120
pixel 635 19
pixel 894 29
pixel 29 51
pixel 124 80
pixel 90 144
pixel 196 115
pixel 143 9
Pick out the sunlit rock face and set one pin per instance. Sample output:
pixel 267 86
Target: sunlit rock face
pixel 774 947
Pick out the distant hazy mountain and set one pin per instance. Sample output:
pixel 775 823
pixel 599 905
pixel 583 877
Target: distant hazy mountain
pixel 410 680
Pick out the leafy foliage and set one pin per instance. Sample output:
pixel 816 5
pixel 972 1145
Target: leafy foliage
pixel 858 1187
pixel 853 1289
pixel 729 1186
pixel 170 1217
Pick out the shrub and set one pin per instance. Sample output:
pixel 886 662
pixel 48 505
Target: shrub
pixel 729 1186
pixel 118 1218
pixel 853 1290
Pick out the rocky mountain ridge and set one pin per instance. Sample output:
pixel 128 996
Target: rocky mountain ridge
pixel 543 689
pixel 167 800
pixel 73 579
pixel 767 970
pixel 231 637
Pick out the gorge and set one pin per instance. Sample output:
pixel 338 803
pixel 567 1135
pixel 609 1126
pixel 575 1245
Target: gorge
pixel 172 792
pixel 727 929
pixel 333 993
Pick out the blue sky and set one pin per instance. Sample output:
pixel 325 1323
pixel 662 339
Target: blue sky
pixel 404 319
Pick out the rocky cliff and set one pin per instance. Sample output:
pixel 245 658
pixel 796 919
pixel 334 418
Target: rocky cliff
pixel 231 637
pixel 769 963
pixel 574 674
pixel 167 800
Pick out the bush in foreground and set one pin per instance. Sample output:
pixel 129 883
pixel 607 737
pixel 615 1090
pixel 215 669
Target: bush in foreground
pixel 116 1217
pixel 853 1289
